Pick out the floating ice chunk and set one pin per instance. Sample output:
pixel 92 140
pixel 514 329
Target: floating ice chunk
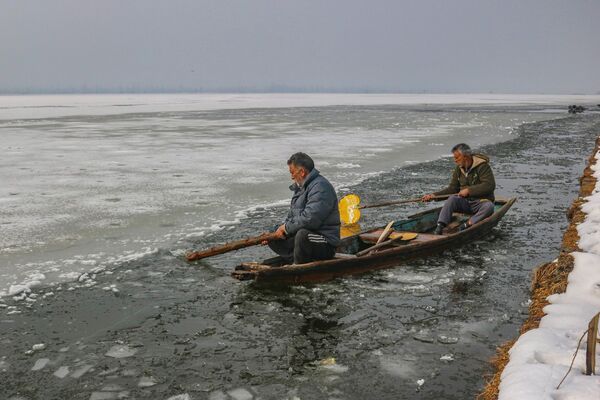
pixel 347 165
pixel 16 289
pixel 79 372
pixel 20 297
pixel 39 364
pixel 447 357
pixel 184 396
pixel 424 336
pixel 331 365
pixel 447 339
pixel 146 381
pixel 103 396
pixel 70 275
pixel 62 372
pixel 38 347
pixel 120 351
pixel 217 395
pixel 397 367
pixel 240 394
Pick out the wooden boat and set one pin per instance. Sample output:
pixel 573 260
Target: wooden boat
pixel 356 253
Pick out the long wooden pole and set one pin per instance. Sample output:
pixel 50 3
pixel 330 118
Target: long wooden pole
pixel 390 203
pixel 238 244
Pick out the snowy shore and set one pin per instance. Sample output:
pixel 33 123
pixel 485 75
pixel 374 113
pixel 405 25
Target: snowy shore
pixel 541 357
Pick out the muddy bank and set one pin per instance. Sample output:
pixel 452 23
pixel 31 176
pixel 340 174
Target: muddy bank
pixel 549 278
pixel 157 327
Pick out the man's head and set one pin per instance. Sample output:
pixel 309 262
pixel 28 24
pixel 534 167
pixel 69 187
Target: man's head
pixel 300 165
pixel 463 155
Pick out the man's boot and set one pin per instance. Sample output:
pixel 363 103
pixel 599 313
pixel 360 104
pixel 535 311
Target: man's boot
pixel 439 228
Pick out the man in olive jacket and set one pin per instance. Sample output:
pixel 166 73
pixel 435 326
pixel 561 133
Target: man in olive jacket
pixel 311 230
pixel 474 184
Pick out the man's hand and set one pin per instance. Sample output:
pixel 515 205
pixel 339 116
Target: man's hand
pixel 428 197
pixel 280 232
pixel 464 192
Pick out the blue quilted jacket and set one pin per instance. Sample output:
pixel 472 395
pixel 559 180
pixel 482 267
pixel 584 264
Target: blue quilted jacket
pixel 314 207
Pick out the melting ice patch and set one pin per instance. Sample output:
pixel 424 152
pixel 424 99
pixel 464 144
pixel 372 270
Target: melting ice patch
pixel 347 165
pixel 120 351
pixel 40 364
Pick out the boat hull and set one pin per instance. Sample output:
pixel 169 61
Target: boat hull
pixel 320 271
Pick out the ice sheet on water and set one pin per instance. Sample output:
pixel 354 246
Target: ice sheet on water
pixel 240 394
pixel 398 367
pixel 217 395
pixel 120 351
pixel 62 372
pixel 79 372
pixel 103 396
pixel 40 364
pixel 146 381
pixel 184 396
pixel 120 181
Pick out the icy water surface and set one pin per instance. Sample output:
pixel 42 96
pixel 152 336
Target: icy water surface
pixel 87 191
pixel 156 327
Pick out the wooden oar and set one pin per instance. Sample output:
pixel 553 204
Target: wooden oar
pixel 402 237
pixel 239 244
pixel 350 207
pixel 386 232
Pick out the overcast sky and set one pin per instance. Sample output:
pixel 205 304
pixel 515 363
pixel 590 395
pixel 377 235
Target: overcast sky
pixel 522 46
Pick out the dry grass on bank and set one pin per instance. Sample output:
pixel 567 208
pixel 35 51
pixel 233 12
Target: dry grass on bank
pixel 547 279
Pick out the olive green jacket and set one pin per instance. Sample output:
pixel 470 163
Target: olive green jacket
pixel 479 179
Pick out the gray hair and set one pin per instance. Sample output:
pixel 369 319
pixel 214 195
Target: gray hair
pixel 302 160
pixel 463 149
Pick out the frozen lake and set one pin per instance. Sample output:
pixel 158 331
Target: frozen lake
pixel 93 181
pixel 155 326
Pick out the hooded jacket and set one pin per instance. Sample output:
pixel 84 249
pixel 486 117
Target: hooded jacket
pixel 314 206
pixel 479 179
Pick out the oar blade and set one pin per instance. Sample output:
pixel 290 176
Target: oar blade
pixel 349 212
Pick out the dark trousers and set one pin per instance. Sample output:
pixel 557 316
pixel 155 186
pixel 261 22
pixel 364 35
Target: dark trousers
pixel 304 247
pixel 479 209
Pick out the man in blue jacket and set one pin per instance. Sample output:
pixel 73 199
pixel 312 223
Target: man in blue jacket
pixel 311 230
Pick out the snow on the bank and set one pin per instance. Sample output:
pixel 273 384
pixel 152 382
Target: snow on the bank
pixel 541 357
